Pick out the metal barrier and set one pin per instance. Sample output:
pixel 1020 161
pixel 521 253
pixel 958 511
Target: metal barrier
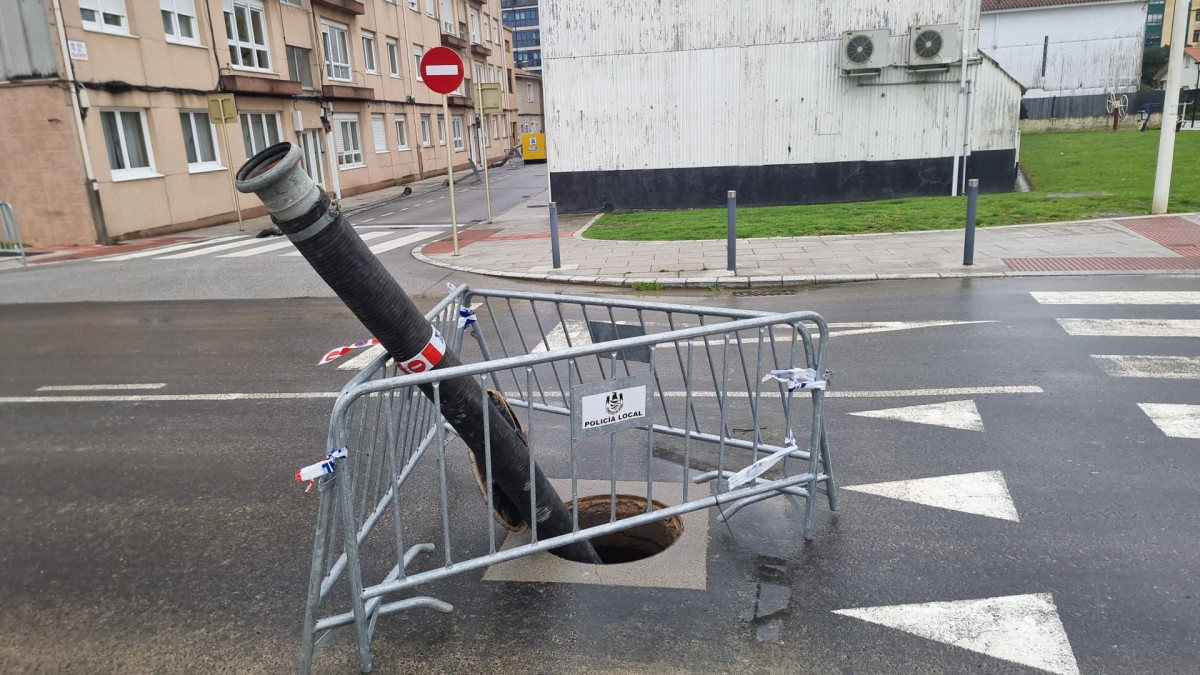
pixel 10 241
pixel 613 389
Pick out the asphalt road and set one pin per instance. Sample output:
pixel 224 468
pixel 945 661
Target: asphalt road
pixel 168 534
pixel 250 268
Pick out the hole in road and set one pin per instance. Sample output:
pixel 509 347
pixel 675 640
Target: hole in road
pixel 637 543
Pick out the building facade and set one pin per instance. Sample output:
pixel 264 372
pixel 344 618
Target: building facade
pixel 1068 54
pixel 670 105
pixel 524 18
pixel 530 113
pixel 1160 16
pixel 337 77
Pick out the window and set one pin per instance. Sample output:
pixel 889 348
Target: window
pixel 527 38
pixel 293 3
pixel 482 133
pixel 447 16
pixel 478 71
pixel 418 52
pixel 379 132
pixel 345 141
pixel 300 66
pixel 259 131
pixel 1196 36
pixel 336 41
pixel 507 48
pixel 495 126
pixel 528 59
pixel 393 56
pixel 127 139
pixel 401 132
pixel 104 15
pixel 246 28
pixel 529 91
pixel 487 28
pixel 1154 19
pixel 474 26
pixel 431 7
pixel 425 137
pixel 441 130
pixel 458 132
pixel 522 17
pixel 369 63
pixel 199 141
pixel 412 4
pixel 179 20
pixel 491 73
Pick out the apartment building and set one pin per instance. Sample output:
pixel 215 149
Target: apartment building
pixel 531 117
pixel 1160 15
pixel 523 17
pixel 337 77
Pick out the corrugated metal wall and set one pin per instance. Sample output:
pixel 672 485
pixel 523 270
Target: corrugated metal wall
pixel 26 47
pixel 638 85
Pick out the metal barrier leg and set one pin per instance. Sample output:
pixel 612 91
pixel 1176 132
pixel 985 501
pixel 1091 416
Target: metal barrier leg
pixel 313 603
pixel 354 574
pixel 813 456
pixel 827 463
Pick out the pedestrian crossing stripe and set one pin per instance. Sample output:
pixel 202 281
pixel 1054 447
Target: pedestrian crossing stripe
pixel 228 247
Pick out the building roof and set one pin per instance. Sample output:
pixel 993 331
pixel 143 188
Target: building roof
pixel 999 5
pixel 1193 52
pixel 521 72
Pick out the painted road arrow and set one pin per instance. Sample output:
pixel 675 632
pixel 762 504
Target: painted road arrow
pixel 1024 629
pixel 952 414
pixel 982 494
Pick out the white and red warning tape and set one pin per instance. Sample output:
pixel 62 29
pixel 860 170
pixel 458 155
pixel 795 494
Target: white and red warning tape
pixel 426 359
pixel 338 353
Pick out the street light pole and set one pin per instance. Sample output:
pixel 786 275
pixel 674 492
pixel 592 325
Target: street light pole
pixel 1170 117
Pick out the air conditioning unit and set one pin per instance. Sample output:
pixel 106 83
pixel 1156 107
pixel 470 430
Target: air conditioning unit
pixel 934 46
pixel 865 52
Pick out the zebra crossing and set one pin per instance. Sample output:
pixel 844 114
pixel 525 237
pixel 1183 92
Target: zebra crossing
pixel 1174 420
pixel 246 245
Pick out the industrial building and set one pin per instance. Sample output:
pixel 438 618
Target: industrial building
pixel 107 133
pixel 1068 54
pixel 668 105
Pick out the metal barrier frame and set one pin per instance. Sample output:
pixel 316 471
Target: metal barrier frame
pixel 11 244
pixel 367 602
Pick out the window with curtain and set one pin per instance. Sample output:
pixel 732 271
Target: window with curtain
pixel 259 131
pixel 104 15
pixel 127 139
pixel 246 30
pixel 199 141
pixel 179 20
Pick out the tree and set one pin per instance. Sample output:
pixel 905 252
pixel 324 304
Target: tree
pixel 1153 59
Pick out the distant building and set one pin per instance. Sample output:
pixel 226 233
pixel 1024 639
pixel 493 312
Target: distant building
pixel 1189 77
pixel 523 17
pixel 530 114
pixel 336 77
pixel 670 105
pixel 1068 54
pixel 1160 15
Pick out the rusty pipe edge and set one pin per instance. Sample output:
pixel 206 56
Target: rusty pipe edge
pixel 276 176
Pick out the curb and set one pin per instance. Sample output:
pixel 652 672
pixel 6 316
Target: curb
pixel 780 281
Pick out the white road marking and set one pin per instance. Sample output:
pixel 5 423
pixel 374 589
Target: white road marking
pixel 1117 297
pixel 368 220
pixel 1174 419
pixel 404 209
pixel 863 328
pixel 365 236
pixel 983 494
pixel 402 241
pixel 210 249
pixel 169 249
pixel 1024 629
pixel 286 243
pixel 575 335
pixel 102 387
pixel 385 215
pixel 1161 367
pixel 898 393
pixel 1131 327
pixel 952 414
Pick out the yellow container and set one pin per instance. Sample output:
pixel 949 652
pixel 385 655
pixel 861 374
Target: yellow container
pixel 533 147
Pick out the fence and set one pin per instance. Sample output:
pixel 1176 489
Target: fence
pixel 612 389
pixel 10 235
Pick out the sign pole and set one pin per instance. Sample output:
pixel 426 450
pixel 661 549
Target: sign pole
pixel 237 204
pixel 482 128
pixel 450 169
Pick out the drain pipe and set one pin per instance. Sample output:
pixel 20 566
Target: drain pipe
pixel 92 187
pixel 343 261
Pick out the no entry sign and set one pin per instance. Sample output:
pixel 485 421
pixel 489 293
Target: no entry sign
pixel 442 69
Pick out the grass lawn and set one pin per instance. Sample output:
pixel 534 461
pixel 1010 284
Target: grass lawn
pixel 1120 166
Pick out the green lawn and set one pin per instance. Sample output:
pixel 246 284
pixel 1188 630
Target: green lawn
pixel 1120 166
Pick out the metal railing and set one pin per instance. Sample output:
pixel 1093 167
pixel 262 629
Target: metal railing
pixel 722 389
pixel 11 245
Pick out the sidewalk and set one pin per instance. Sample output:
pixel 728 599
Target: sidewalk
pixel 518 247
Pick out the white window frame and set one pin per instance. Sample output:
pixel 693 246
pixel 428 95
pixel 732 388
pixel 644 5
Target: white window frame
pixel 496 29
pixel 393 55
pixel 135 173
pixel 441 125
pixel 201 166
pixel 330 30
pixel 402 131
pixel 370 62
pixel 379 132
pixel 292 3
pixel 426 132
pixel 495 126
pixel 487 28
pixel 237 43
pixel 171 11
pixel 474 26
pixel 529 92
pixel 100 8
pixel 418 53
pixel 352 157
pixel 478 73
pixel 266 115
pixel 431 7
pixel 457 127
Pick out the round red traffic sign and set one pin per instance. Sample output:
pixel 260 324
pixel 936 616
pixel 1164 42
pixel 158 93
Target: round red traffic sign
pixel 442 69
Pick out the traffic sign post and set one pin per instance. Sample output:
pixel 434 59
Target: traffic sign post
pixel 442 70
pixel 486 102
pixel 222 110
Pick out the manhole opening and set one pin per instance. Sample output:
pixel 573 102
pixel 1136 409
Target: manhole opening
pixel 636 543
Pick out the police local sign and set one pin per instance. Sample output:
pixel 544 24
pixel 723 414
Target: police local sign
pixel 611 405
